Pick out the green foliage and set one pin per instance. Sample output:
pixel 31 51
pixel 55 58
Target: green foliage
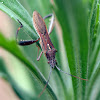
pixel 79 22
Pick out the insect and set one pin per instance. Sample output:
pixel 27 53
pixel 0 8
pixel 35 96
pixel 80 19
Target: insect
pixel 45 42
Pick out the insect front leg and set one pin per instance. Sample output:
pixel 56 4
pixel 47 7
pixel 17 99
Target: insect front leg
pixel 27 42
pixel 24 42
pixel 51 26
pixel 21 25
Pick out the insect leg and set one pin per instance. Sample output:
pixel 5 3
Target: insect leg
pixel 27 42
pixel 38 57
pixel 24 42
pixel 18 29
pixel 51 26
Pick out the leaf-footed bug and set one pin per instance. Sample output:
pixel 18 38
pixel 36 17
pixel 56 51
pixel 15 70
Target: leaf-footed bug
pixel 45 42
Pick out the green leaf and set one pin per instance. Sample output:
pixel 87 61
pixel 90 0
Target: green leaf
pixel 92 83
pixel 14 9
pixel 94 35
pixel 93 23
pixel 2 70
pixel 73 20
pixel 17 89
pixel 14 49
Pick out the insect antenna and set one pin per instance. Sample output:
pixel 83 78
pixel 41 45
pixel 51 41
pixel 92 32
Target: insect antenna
pixel 46 82
pixel 70 74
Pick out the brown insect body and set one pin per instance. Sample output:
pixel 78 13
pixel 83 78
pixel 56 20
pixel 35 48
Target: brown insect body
pixel 45 40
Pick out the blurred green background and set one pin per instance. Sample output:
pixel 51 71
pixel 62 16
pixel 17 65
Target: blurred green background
pixel 76 36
